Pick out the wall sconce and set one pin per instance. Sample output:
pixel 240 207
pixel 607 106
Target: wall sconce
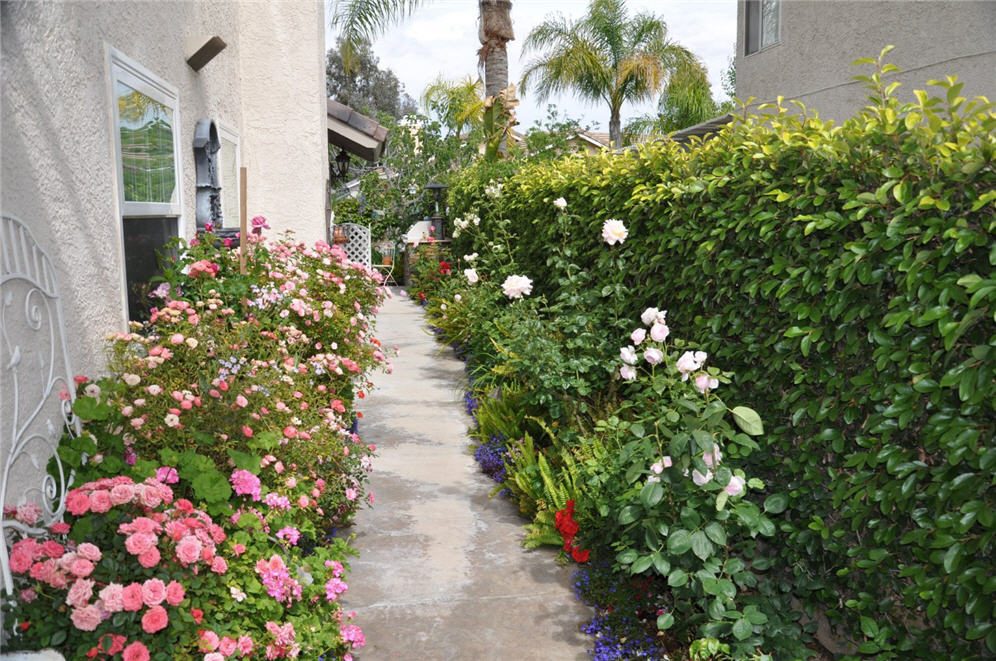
pixel 206 52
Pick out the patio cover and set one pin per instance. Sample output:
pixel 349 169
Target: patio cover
pixel 357 134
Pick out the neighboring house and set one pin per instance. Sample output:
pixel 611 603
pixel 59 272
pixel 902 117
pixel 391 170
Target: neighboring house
pixel 99 110
pixel 803 50
pixel 592 142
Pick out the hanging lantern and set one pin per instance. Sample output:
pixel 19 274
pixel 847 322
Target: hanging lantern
pixel 339 235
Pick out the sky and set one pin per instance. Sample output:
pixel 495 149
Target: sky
pixel 441 38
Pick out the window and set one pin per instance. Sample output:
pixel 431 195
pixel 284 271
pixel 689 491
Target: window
pixel 145 111
pixel 762 20
pixel 228 163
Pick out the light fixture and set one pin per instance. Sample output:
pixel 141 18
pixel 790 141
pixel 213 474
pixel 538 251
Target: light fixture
pixel 206 52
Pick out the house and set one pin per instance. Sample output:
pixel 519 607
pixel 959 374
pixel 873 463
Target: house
pixel 591 142
pixel 102 104
pixel 803 50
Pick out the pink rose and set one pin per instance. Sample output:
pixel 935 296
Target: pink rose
pixel 81 567
pixel 214 656
pixel 209 641
pixel 712 458
pixel 150 558
pixel 155 619
pixel 136 652
pixel 131 597
pixel 80 593
pixel 704 383
pixel 245 645
pixel 735 487
pixel 227 646
pixel 140 542
pixel 188 550
pixel 175 593
pixel 176 338
pixel 20 561
pixel 122 493
pixel 659 332
pixel 100 501
pixel 700 479
pixel 218 565
pixel 112 597
pixel 77 502
pixel 86 618
pixel 627 372
pixel 639 335
pixel 85 550
pixel 653 356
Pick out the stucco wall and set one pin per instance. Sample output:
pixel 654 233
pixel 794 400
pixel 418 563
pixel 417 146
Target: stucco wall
pixel 58 163
pixel 819 40
pixel 285 141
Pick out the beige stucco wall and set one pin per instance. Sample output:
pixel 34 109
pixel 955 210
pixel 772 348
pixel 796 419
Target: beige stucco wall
pixel 819 40
pixel 284 114
pixel 57 162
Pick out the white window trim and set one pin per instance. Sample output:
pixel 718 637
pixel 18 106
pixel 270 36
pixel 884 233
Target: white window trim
pixel 126 70
pixel 123 68
pixel 228 133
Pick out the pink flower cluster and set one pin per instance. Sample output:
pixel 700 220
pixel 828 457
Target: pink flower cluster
pixel 284 643
pixel 203 269
pixel 225 646
pixel 246 484
pixel 102 495
pixel 277 580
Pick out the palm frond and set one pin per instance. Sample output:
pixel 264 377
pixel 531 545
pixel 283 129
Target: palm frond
pixel 357 20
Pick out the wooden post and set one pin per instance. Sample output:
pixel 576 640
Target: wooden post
pixel 243 222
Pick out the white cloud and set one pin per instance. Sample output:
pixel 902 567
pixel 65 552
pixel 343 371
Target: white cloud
pixel 441 38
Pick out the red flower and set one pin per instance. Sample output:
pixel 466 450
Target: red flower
pixel 24 626
pixel 580 555
pixel 198 614
pixel 444 268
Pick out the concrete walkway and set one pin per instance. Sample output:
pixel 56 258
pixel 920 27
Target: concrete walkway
pixel 442 574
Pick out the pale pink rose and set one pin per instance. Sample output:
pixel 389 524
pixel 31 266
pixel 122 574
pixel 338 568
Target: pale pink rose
pixel 628 355
pixel 151 497
pixel 627 372
pixel 302 501
pixel 639 335
pixel 131 379
pixel 700 479
pixel 154 389
pixel 80 593
pixel 704 383
pixel 735 486
pixel 666 460
pixel 713 458
pixel 188 550
pixel 153 592
pixel 111 596
pixel 351 494
pixel 241 401
pixel 171 420
pixel 215 656
pixel 88 551
pixel 122 493
pixel 690 362
pixel 176 338
pixel 471 275
pixel 657 467
pixel 653 356
pixel 245 645
pixel 87 618
pixel 209 641
pixel 218 565
pixel 659 332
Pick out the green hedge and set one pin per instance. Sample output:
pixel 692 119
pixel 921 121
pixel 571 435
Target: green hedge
pixel 845 274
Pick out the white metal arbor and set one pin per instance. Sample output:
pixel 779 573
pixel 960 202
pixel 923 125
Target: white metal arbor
pixel 37 386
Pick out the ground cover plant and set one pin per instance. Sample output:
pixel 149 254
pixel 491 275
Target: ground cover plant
pixel 840 278
pixel 217 459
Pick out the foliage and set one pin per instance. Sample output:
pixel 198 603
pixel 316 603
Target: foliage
pixel 686 101
pixel 604 56
pixel 365 87
pixel 843 274
pixel 455 105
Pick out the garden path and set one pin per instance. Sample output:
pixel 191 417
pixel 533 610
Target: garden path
pixel 442 574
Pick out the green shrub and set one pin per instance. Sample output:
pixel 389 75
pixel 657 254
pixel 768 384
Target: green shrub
pixel 844 274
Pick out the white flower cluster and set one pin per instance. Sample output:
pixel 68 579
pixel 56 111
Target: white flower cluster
pixel 493 189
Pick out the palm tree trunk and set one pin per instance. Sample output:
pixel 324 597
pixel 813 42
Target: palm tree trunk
pixel 615 132
pixel 494 32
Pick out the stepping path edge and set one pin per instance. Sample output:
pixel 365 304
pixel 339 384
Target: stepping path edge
pixel 442 574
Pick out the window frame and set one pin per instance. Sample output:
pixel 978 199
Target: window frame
pixel 226 132
pixel 754 18
pixel 126 70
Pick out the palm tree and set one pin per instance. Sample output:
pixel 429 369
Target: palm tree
pixel 604 56
pixel 457 105
pixel 686 101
